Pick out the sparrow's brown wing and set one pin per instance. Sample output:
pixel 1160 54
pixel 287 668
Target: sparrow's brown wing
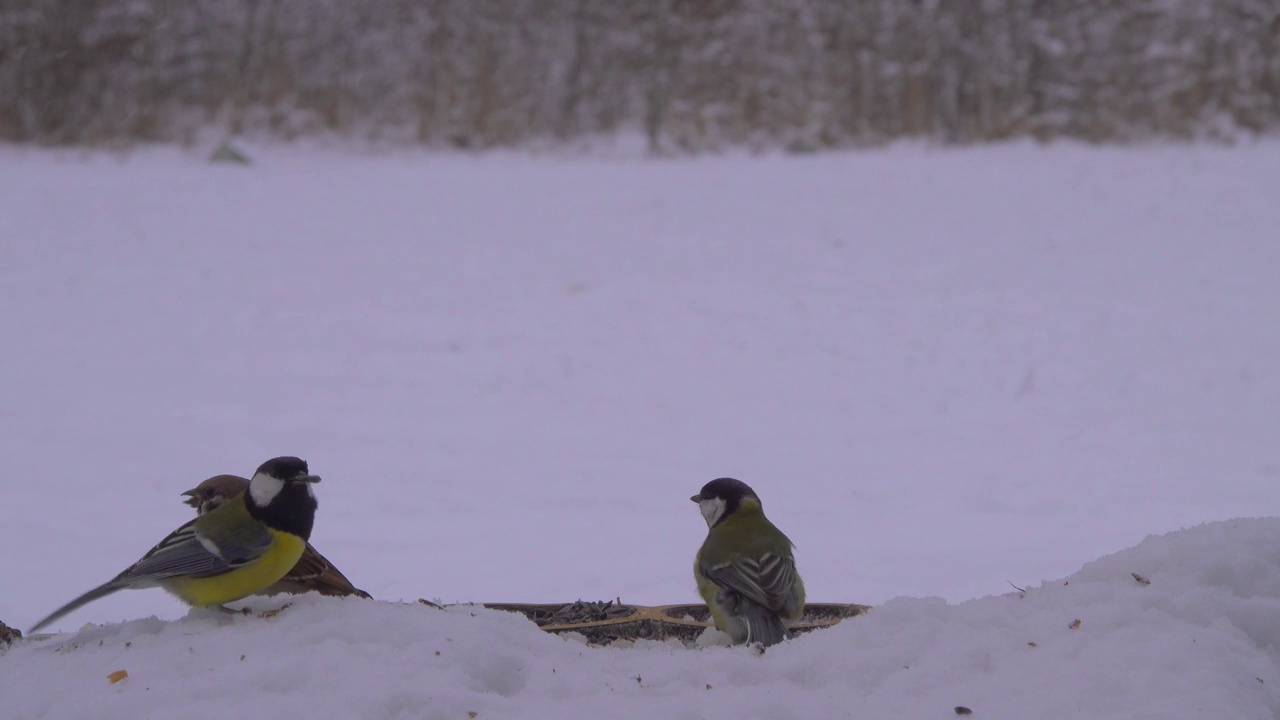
pixel 314 573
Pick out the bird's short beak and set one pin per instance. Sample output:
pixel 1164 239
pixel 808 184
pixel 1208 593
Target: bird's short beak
pixel 191 500
pixel 306 479
pixel 696 498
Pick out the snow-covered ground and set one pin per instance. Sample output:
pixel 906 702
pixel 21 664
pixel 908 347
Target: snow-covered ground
pixel 1199 640
pixel 941 370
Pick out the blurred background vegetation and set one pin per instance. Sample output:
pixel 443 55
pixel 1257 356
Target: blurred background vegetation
pixel 689 75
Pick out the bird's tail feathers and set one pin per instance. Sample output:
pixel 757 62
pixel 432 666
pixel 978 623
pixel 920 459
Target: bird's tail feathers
pixel 764 626
pixel 95 594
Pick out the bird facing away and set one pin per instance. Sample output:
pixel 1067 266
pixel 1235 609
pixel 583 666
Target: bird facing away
pixel 230 553
pixel 313 573
pixel 745 570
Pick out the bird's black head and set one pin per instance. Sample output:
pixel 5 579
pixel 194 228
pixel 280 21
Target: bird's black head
pixel 285 467
pixel 280 495
pixel 727 489
pixel 722 497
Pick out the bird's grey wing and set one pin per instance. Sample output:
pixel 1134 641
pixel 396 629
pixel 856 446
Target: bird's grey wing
pixel 766 580
pixel 187 551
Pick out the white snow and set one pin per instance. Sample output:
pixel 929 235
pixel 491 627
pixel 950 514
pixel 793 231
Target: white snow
pixel 1199 641
pixel 941 371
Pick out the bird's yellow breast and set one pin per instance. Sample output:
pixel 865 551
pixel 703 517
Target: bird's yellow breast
pixel 244 581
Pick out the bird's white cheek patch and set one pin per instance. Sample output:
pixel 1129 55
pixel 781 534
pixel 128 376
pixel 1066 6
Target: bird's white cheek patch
pixel 712 509
pixel 264 488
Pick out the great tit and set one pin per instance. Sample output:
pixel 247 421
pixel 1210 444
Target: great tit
pixel 313 572
pixel 237 550
pixel 745 570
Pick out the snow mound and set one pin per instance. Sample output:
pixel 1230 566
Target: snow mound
pixel 1183 625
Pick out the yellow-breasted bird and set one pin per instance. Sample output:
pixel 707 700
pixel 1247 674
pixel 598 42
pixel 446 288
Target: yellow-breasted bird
pixel 313 573
pixel 745 570
pixel 233 552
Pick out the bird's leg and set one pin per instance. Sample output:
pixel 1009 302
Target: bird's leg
pixel 218 613
pixel 273 613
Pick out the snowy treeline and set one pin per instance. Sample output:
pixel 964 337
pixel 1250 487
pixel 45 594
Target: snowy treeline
pixel 690 74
